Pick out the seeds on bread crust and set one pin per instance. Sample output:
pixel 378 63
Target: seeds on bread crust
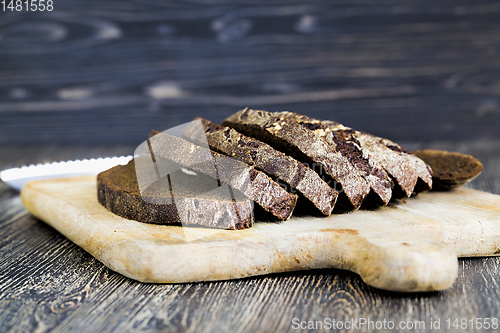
pixel 405 168
pixel 343 140
pixel 294 140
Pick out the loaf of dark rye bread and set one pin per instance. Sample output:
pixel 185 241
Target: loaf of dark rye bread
pixel 404 167
pixel 263 157
pixel 343 140
pixel 194 204
pixel 254 184
pixel 299 142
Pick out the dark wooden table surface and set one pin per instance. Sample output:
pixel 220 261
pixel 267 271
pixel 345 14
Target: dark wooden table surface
pixel 91 78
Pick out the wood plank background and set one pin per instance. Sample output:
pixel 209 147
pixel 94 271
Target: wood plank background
pixel 108 71
pixel 91 78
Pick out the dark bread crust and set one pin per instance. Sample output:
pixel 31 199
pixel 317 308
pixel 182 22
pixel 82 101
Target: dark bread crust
pixel 118 191
pixel 262 156
pixel 294 140
pixel 344 140
pixel 254 184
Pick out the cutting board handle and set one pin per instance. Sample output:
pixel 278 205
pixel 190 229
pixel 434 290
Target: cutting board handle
pixel 398 262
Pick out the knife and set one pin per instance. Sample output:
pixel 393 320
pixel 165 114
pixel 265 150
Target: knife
pixel 17 177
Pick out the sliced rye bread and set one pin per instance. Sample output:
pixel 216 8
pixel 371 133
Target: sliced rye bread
pixel 263 157
pixel 402 171
pixel 254 184
pixel 402 166
pixel 412 168
pixel 410 172
pixel 342 139
pixel 194 204
pixel 294 140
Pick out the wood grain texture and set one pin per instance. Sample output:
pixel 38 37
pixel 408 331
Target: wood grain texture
pixel 48 283
pixel 108 71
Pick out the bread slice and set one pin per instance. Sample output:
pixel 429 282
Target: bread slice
pixel 397 166
pixel 422 169
pixel 380 153
pixel 194 203
pixel 294 140
pixel 252 183
pixel 263 157
pixel 343 140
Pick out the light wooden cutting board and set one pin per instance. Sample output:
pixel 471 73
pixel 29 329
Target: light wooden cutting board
pixel 411 245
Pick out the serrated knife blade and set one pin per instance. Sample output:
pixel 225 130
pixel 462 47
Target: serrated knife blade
pixel 17 177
